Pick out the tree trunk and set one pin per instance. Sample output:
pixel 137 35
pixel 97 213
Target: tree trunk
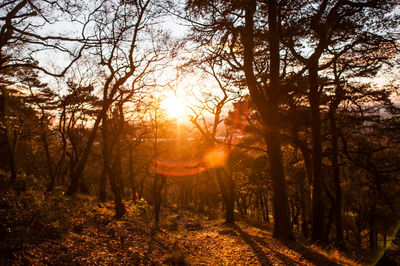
pixel 113 170
pixel 266 219
pixel 106 161
pixel 9 135
pixel 304 185
pixel 336 180
pixel 317 220
pixel 260 198
pixel 282 226
pixel 76 175
pixel 339 94
pixel 330 215
pixel 49 162
pixel 373 242
pixel 116 190
pixel 267 106
pixel 384 241
pixel 83 187
pixel 231 199
pixel 118 167
pixel 227 191
pixel 240 207
pixel 159 182
pixel 304 221
pixel 13 166
pixel 102 188
pixel 131 177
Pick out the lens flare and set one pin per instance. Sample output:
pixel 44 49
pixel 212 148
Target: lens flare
pixel 216 157
pixel 392 237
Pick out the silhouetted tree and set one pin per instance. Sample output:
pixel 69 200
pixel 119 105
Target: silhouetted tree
pixel 122 62
pixel 337 26
pixel 238 33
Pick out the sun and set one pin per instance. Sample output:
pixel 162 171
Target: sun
pixel 174 107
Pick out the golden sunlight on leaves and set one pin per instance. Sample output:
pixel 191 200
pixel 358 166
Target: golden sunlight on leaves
pixel 215 158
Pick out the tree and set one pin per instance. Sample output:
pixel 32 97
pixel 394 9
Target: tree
pixel 121 51
pixel 137 131
pixel 207 118
pixel 237 33
pixel 158 123
pixel 42 98
pixel 22 38
pixel 22 35
pixel 337 26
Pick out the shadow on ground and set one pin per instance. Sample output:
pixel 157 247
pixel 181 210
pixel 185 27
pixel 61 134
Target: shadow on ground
pixel 265 252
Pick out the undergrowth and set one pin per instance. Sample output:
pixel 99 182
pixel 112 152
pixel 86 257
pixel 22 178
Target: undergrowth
pixel 28 214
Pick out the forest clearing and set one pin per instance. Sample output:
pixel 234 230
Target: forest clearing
pixel 198 132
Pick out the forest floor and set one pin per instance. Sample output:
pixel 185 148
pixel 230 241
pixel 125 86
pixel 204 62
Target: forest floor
pixel 80 231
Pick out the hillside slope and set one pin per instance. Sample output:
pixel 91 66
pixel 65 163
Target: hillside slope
pixel 74 231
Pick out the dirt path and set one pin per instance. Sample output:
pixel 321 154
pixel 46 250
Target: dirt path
pixel 211 243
